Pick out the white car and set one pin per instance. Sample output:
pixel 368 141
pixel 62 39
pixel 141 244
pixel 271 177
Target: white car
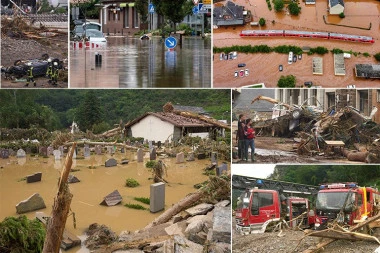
pixel 95 36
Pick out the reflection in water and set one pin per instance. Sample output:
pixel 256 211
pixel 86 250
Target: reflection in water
pixel 95 184
pixel 135 63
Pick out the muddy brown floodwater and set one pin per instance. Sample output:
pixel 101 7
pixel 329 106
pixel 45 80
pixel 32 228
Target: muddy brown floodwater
pixel 263 68
pixel 94 186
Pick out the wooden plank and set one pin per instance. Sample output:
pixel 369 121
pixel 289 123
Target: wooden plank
pixel 112 199
pixel 335 143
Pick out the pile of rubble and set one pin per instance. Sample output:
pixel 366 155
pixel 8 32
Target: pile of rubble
pixel 202 228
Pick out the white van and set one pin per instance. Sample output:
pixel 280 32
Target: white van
pixel 290 57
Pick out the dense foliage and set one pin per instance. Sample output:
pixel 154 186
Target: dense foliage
pixel 377 56
pixel 287 81
pixel 262 22
pixel 364 175
pixel 18 234
pixel 294 9
pixel 278 5
pixel 97 110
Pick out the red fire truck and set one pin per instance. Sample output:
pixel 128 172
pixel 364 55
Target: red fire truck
pixel 263 201
pixel 347 203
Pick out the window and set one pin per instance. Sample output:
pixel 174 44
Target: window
pixel 109 15
pixel 360 200
pixel 135 18
pixel 378 96
pixel 265 199
pixel 126 17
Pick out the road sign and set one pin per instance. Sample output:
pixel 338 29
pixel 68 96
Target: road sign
pixel 170 42
pixel 195 9
pixel 207 2
pixel 151 8
pixel 201 9
pixel 195 2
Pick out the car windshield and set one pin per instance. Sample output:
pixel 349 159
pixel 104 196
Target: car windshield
pixel 243 201
pixel 94 33
pixel 334 200
pixel 79 29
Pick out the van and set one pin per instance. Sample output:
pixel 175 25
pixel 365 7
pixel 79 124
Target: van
pixel 290 57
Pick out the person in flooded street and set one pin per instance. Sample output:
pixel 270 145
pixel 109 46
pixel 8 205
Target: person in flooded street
pixel 249 133
pixel 240 138
pixel 30 77
pixel 54 76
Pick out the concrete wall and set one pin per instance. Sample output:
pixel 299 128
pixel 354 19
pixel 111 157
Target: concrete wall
pixel 152 128
pixel 376 102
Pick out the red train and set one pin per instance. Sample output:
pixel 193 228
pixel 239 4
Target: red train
pixel 304 34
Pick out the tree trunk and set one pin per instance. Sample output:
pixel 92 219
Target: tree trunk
pixel 180 206
pixel 61 208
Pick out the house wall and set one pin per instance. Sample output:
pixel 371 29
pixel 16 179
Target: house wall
pixel 153 128
pixel 376 102
pixel 120 20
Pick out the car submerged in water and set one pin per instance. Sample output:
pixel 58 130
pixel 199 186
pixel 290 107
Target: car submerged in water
pixel 20 67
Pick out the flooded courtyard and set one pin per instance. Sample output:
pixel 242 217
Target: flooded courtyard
pixel 264 68
pixel 135 63
pixel 94 186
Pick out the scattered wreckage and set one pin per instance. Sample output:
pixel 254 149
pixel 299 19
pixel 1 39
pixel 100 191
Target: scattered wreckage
pixel 343 132
pixel 40 67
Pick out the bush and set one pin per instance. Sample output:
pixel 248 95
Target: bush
pixel 341 15
pixel 377 56
pixel 278 5
pixel 142 200
pixel 294 9
pixel 130 182
pixel 366 54
pixel 135 206
pixel 287 82
pixel 319 50
pixel 100 127
pixel 150 164
pixel 18 234
pixel 337 51
pixel 262 22
pixel 186 28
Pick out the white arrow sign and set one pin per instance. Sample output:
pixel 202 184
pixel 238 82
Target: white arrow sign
pixel 171 42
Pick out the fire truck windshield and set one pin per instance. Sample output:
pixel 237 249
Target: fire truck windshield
pixel 334 201
pixel 243 200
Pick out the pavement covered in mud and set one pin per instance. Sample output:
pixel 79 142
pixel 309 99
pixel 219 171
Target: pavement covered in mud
pixel 263 68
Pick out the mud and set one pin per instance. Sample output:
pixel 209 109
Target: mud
pixel 263 68
pixel 95 184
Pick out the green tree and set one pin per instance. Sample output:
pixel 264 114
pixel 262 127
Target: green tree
pixel 142 8
pixel 294 9
pixel 341 15
pixel 287 82
pixel 262 22
pixel 377 56
pixel 278 5
pixel 174 10
pixel 89 111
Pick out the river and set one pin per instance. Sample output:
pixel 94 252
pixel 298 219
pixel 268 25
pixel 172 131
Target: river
pixel 134 63
pixel 94 186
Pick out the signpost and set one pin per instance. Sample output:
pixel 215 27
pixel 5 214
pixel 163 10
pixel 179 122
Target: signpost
pixel 170 42
pixel 151 8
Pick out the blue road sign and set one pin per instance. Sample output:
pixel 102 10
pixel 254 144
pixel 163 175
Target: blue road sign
pixel 195 10
pixel 201 8
pixel 170 42
pixel 151 8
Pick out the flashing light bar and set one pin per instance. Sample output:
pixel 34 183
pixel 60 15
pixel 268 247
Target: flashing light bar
pixel 338 186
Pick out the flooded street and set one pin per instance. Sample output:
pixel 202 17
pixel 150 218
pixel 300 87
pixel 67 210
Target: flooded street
pixel 94 186
pixel 263 68
pixel 135 63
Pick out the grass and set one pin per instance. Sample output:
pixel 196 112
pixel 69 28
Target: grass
pixel 135 206
pixel 131 182
pixel 142 200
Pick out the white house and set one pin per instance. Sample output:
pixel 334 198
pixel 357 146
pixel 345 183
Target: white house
pixel 336 7
pixel 161 126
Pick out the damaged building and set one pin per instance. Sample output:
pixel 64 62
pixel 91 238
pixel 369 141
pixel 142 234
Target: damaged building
pixel 230 14
pixel 172 126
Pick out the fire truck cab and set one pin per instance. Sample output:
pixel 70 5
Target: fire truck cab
pixel 257 208
pixel 347 203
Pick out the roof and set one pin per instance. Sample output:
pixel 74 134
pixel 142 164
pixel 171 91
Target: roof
pixel 336 2
pixel 230 14
pixel 243 100
pixel 367 70
pixel 173 118
pixel 186 108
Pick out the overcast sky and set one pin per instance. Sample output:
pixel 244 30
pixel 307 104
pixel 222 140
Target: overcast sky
pixel 253 170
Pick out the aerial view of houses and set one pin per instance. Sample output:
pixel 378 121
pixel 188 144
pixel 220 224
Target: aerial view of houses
pixel 330 43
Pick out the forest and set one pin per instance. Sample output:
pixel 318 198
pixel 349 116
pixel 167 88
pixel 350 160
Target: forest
pixel 99 110
pixel 364 175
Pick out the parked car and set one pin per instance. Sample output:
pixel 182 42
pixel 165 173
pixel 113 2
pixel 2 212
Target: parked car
pixel 300 57
pixel 241 73
pixel 241 65
pixel 77 33
pixel 236 73
pixel 295 58
pixel 246 72
pixel 93 35
pixel 280 68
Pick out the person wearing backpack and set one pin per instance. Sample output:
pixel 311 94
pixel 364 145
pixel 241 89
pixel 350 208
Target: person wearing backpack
pixel 249 133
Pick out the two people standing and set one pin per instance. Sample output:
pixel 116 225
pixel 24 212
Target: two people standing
pixel 246 138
